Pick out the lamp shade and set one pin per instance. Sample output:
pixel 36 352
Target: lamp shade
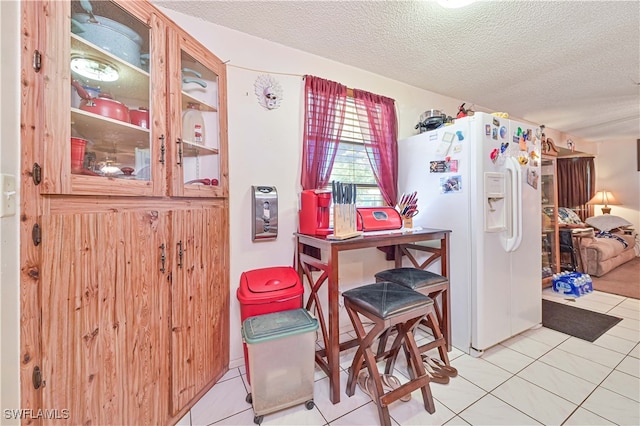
pixel 605 198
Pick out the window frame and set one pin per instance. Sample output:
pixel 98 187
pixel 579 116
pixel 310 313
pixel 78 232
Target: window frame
pixel 368 193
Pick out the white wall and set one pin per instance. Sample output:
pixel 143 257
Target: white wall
pixel 9 226
pixel 617 171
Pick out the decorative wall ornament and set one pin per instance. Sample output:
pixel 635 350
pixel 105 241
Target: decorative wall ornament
pixel 268 91
pixel 571 145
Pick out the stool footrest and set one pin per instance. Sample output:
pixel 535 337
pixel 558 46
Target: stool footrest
pixel 404 389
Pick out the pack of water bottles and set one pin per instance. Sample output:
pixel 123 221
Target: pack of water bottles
pixel 572 283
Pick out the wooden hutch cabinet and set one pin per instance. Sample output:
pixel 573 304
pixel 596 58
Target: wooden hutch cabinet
pixel 549 194
pixel 125 213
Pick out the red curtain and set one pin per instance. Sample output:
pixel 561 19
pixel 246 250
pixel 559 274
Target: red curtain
pixel 377 116
pixel 576 184
pixel 324 118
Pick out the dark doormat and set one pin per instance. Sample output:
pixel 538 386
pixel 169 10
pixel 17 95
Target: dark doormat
pixel 580 323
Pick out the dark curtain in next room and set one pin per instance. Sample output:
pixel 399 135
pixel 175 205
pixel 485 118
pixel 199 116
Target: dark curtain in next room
pixel 576 184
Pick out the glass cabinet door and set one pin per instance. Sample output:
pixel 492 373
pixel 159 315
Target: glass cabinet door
pixel 198 150
pixel 550 260
pixel 111 109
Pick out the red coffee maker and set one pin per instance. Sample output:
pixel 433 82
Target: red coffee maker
pixel 314 212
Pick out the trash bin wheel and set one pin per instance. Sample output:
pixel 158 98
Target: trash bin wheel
pixel 258 419
pixel 309 404
pixel 249 398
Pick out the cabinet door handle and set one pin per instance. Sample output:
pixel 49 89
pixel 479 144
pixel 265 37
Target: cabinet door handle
pixel 163 258
pixel 179 142
pixel 37 60
pixel 162 149
pixel 180 254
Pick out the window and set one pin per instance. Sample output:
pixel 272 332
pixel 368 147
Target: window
pixel 351 164
pixel 371 129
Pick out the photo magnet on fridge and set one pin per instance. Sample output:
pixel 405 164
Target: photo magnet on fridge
pixel 450 184
pixel 443 166
pixel 437 166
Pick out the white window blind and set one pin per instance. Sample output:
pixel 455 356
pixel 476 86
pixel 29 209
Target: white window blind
pixel 351 164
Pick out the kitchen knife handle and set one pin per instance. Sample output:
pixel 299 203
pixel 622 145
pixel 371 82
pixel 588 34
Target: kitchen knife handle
pixel 333 191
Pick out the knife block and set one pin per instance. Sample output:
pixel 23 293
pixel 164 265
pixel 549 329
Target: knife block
pixel 344 222
pixel 407 222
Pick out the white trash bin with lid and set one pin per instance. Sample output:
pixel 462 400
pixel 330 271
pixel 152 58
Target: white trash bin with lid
pixel 281 352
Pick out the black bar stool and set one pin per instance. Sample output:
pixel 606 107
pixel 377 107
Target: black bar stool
pixel 388 305
pixel 431 285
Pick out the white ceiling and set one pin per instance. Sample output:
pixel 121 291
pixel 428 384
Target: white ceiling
pixel 571 65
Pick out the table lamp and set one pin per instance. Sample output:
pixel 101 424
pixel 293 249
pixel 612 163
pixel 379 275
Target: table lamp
pixel 604 198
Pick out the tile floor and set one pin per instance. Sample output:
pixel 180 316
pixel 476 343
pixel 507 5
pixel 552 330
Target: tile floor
pixel 538 377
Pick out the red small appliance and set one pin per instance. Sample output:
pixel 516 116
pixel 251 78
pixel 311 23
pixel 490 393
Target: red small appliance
pixel 314 212
pixel 268 290
pixel 378 219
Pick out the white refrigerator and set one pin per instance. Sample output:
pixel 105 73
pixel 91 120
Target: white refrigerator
pixel 479 178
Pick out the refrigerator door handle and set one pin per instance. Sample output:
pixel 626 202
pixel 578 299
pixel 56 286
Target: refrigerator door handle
pixel 514 237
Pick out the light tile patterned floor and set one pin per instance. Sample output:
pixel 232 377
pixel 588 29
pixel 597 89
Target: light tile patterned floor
pixel 539 377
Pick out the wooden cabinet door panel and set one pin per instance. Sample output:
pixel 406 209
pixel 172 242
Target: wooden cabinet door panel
pixel 104 317
pixel 199 303
pixel 197 119
pixel 109 144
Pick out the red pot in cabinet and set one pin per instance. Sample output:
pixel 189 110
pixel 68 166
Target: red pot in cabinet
pixel 140 117
pixel 78 146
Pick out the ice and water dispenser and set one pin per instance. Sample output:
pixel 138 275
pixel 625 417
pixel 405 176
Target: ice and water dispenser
pixel 494 202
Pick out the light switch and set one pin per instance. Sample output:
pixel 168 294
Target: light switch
pixel 8 195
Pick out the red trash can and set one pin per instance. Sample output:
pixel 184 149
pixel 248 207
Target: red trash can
pixel 268 290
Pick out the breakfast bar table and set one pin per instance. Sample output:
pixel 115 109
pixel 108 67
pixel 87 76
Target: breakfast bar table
pixel 405 242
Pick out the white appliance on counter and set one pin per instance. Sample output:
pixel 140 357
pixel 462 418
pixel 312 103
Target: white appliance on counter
pixel 479 177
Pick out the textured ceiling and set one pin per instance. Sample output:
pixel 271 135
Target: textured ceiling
pixel 571 65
